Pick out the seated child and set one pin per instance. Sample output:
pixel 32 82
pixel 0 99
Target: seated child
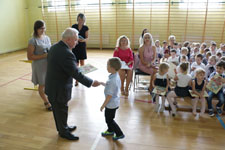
pixel 161 79
pixel 197 64
pixel 198 88
pixel 206 58
pixel 194 54
pixel 173 58
pixel 211 66
pixel 219 54
pixel 159 50
pixel 220 66
pixel 166 56
pixel 183 84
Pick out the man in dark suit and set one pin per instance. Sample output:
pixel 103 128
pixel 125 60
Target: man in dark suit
pixel 61 70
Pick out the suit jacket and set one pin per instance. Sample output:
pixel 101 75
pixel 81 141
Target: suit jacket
pixel 61 70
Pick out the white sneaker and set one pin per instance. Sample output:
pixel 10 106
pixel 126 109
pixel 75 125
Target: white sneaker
pixel 156 107
pixel 162 108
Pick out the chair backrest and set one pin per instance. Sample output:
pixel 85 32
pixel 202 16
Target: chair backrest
pixel 139 72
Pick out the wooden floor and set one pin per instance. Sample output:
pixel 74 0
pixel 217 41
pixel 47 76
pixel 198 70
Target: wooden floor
pixel 26 125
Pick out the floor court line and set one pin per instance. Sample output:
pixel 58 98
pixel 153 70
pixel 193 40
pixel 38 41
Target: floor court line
pixel 143 101
pixel 97 139
pixel 11 57
pixel 220 120
pixel 25 79
pixel 7 83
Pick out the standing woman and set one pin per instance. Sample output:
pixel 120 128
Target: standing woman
pixel 141 37
pixel 37 51
pixel 80 49
pixel 147 57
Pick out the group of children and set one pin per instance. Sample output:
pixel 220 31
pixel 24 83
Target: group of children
pixel 196 67
pixel 192 76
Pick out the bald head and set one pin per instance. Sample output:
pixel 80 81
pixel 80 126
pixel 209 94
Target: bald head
pixel 69 32
pixel 70 36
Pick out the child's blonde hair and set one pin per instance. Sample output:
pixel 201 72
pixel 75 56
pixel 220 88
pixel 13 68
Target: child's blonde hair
pixel 184 67
pixel 199 71
pixel 184 57
pixel 163 66
pixel 184 49
pixel 115 63
pixel 119 40
pixel 213 57
pixel 172 37
pixel 208 54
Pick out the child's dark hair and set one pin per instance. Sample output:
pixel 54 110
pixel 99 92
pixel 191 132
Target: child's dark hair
pixel 115 63
pixel 184 57
pixel 186 43
pixel 206 50
pixel 173 50
pixel 209 54
pixel 199 56
pixel 164 42
pixel 175 43
pixel 221 64
pixel 184 67
pixel 219 54
pixel 213 43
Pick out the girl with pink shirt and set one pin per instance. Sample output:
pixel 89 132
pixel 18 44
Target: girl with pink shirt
pixel 124 52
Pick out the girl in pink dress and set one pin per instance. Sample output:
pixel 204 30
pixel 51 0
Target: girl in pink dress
pixel 147 57
pixel 124 52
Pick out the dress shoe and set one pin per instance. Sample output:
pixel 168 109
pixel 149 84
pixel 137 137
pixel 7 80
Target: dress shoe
pixel 69 136
pixel 72 128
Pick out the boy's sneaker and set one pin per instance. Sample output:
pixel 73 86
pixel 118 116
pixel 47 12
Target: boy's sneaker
pixel 219 111
pixel 211 113
pixel 118 137
pixel 106 133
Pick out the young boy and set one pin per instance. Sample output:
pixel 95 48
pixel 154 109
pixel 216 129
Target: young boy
pixel 112 98
pixel 173 58
pixel 211 66
pixel 220 66
pixel 197 64
pixel 206 58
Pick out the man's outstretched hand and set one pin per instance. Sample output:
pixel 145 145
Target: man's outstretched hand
pixel 95 83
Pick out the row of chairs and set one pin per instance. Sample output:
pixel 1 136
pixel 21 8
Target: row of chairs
pixel 136 78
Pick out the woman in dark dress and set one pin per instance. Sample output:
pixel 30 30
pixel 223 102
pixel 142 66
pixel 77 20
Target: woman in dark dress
pixel 80 49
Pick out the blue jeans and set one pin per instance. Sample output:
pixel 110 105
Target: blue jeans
pixel 220 97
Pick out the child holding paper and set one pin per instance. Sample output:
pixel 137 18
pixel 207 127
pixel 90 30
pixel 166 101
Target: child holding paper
pixel 161 79
pixel 220 66
pixel 112 99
